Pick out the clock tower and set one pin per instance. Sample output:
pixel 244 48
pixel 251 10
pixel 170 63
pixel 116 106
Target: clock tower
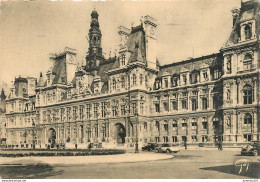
pixel 94 56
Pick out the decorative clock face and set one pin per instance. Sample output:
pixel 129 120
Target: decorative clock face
pixel 24 89
pixel 152 31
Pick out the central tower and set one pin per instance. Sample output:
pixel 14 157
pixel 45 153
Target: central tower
pixel 94 56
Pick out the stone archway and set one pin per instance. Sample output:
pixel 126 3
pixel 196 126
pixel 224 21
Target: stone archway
pixel 52 137
pixel 120 133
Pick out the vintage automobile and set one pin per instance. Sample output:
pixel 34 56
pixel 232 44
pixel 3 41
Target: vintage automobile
pixel 167 148
pixel 251 149
pixel 150 146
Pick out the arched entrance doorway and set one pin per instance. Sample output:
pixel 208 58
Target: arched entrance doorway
pixel 52 137
pixel 120 133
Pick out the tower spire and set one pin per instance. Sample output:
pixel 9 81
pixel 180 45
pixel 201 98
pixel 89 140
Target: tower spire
pixel 95 55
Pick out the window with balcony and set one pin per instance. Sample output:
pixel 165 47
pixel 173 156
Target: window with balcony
pixel 247 137
pixel 247 91
pixel 247 62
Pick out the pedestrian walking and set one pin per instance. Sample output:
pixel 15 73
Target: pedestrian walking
pixel 185 145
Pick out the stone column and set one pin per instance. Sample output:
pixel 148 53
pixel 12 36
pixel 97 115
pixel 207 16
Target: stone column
pixel 254 125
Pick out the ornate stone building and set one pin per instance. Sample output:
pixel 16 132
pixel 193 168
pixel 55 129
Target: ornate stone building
pixel 118 100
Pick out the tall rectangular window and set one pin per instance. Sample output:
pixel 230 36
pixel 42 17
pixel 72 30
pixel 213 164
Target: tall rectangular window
pixel 103 109
pixel 194 103
pixel 184 104
pixel 165 139
pixel 204 103
pixel 141 108
pixel 114 110
pixel 95 110
pixel 175 105
pixel 88 110
pixel 75 109
pixel 68 114
pixel 123 110
pixel 62 112
pixel 134 108
pixel 174 139
pixel 81 112
pixel 157 107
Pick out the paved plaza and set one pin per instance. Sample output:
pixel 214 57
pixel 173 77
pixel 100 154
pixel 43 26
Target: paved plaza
pixel 185 164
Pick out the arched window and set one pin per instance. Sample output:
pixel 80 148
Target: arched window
pixel 123 82
pixel 141 79
pixel 247 90
pixel 165 125
pixel 204 123
pixel 248 119
pixel 157 126
pixel 114 84
pixel 174 125
pixel 248 31
pixel 247 62
pixel 134 79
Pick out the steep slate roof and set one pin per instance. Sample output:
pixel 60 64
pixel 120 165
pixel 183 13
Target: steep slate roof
pixel 190 65
pixel 137 38
pixel 59 70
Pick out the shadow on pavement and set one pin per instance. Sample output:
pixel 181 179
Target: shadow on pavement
pixel 29 171
pixel 252 172
pixel 184 156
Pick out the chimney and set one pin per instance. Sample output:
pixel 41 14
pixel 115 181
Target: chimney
pixel 235 14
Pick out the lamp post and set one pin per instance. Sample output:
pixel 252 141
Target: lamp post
pixel 33 124
pixel 136 140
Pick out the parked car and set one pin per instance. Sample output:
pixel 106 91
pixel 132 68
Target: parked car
pixel 150 146
pixel 251 149
pixel 167 148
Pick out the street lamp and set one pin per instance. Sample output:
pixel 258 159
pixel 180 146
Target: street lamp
pixel 33 124
pixel 136 140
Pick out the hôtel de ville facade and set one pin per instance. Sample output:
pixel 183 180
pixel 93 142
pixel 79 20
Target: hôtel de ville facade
pixel 130 97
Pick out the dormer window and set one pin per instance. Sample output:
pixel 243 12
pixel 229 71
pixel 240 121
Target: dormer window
pixel 247 62
pixel 123 60
pixel 248 31
pixel 205 75
pixel 166 82
pixel 194 75
pixel 175 81
pixel 184 79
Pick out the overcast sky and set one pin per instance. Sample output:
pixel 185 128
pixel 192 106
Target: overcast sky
pixel 30 31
